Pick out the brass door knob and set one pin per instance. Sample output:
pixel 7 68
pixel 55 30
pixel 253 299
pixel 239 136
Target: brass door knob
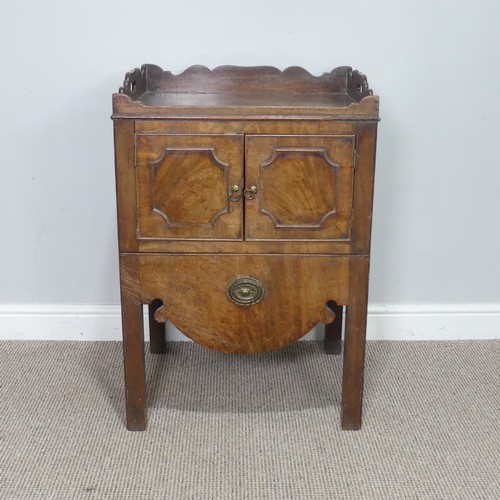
pixel 249 194
pixel 235 193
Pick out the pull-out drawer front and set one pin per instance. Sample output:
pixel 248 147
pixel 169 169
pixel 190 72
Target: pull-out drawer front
pixel 303 187
pixel 183 183
pixel 243 303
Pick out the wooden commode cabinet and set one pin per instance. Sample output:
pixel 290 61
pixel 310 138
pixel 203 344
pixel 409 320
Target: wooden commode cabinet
pixel 244 213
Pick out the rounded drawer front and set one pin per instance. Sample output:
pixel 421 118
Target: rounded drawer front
pixel 244 303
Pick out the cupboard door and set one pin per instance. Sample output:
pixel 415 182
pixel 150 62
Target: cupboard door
pixel 300 187
pixel 183 182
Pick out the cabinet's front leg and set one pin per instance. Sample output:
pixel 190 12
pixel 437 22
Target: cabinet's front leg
pixel 157 339
pixel 354 349
pixel 133 350
pixel 333 331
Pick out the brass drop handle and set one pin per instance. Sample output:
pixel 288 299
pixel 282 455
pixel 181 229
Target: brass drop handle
pixel 235 193
pixel 249 194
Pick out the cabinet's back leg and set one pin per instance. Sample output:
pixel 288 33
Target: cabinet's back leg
pixel 333 331
pixel 157 340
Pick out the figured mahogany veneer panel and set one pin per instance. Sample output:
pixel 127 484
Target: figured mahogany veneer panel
pixel 249 127
pixel 299 206
pixel 304 187
pixel 193 290
pixel 183 184
pixel 175 174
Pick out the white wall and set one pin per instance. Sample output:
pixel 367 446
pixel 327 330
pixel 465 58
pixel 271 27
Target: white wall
pixel 435 65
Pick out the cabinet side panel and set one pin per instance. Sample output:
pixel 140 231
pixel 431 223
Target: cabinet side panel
pixel 125 184
pixel 363 189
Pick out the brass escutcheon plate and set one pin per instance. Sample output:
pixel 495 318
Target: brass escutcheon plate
pixel 245 291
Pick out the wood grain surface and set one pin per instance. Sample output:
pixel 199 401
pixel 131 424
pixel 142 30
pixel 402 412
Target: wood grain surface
pixel 304 187
pixel 193 292
pixel 183 185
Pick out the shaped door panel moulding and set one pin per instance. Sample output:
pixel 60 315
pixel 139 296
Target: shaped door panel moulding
pixel 299 188
pixel 183 183
pixel 189 187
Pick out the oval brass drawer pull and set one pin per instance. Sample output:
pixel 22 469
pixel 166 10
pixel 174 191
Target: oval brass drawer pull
pixel 245 291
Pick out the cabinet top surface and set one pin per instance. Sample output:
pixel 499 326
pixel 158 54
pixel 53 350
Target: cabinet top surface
pixel 245 92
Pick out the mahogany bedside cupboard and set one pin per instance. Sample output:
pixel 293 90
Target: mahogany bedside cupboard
pixel 244 213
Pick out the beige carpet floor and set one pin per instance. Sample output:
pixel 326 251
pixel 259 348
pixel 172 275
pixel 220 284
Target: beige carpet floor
pixel 250 427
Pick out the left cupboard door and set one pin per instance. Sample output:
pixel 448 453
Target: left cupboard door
pixel 186 187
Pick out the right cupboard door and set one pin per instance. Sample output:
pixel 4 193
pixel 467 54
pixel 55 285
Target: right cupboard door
pixel 299 187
